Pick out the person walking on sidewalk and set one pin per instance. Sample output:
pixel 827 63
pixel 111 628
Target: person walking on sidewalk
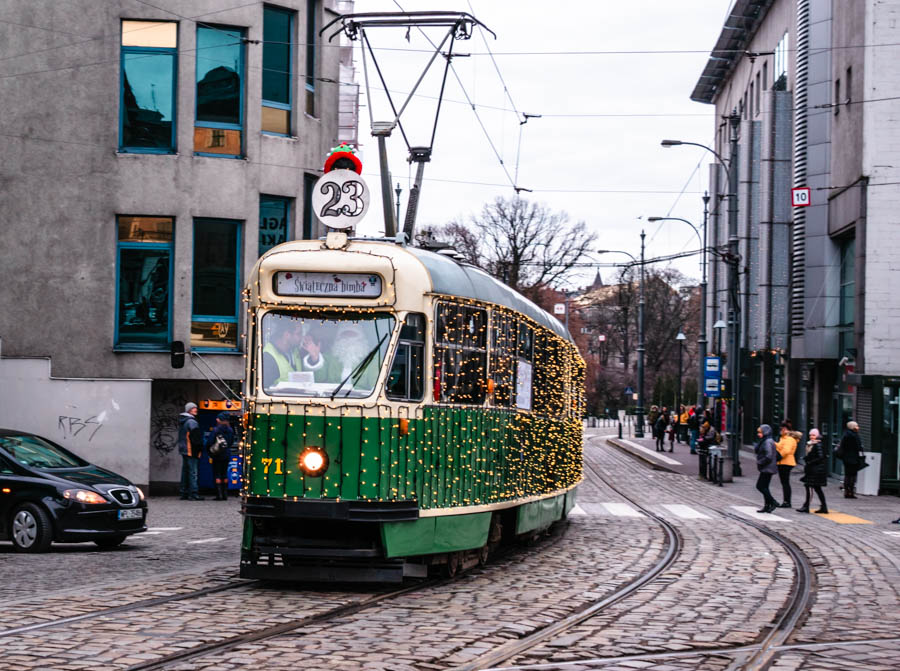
pixel 767 465
pixel 683 419
pixel 218 443
pixel 190 447
pixel 787 447
pixel 672 430
pixel 815 471
pixel 693 425
pixel 659 431
pixel 850 452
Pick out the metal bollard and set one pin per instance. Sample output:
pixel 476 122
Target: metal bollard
pixel 620 430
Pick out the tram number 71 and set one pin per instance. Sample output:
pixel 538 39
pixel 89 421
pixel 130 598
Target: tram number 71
pixel 267 462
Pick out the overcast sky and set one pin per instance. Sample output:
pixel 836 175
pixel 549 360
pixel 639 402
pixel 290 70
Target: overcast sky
pixel 614 164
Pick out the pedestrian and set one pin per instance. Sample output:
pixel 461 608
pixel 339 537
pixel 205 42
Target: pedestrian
pixel 659 432
pixel 218 443
pixel 683 425
pixel 850 452
pixel 767 465
pixel 673 430
pixel 693 425
pixel 190 447
pixel 787 447
pixel 652 416
pixel 815 471
pixel 707 436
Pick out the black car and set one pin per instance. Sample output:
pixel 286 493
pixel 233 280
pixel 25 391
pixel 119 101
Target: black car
pixel 48 494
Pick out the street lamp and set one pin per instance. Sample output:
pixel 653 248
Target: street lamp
pixel 701 338
pixel 680 338
pixel 639 420
pixel 398 191
pixel 718 327
pixel 734 357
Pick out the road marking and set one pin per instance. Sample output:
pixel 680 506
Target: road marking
pixel 621 510
pixel 684 512
pixel 843 518
pixel 151 533
pixel 892 533
pixel 165 528
pixel 750 511
pixel 652 453
pixel 206 540
pixel 577 510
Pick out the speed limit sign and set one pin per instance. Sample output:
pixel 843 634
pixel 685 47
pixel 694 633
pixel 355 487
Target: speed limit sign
pixel 340 198
pixel 800 197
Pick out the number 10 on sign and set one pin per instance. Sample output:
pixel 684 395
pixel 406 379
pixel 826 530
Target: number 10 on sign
pixel 800 197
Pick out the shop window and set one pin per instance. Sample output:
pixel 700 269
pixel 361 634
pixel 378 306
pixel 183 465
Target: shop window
pixel 147 89
pixel 460 355
pixel 274 215
pixel 218 130
pixel 216 289
pixel 276 70
pixel 143 282
pixel 405 382
pixel 312 22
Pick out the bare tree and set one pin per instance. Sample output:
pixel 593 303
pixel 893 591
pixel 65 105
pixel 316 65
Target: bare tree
pixel 522 243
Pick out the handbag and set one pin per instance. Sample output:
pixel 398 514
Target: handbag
pixel 218 447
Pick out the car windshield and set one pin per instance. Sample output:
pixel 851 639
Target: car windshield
pixel 35 452
pixel 326 354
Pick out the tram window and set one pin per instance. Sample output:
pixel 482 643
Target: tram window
pixel 404 382
pixel 323 354
pixel 460 355
pixel 526 342
pixel 503 358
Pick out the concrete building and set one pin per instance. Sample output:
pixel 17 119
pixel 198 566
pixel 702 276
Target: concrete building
pixel 813 86
pixel 151 154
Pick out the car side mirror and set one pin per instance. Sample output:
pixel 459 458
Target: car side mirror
pixel 176 352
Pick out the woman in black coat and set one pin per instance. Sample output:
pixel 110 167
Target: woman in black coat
pixel 850 452
pixel 815 471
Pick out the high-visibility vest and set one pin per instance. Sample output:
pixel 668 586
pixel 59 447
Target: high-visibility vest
pixel 283 363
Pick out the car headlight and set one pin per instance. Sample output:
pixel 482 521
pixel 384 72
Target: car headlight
pixel 84 496
pixel 313 461
pixel 140 492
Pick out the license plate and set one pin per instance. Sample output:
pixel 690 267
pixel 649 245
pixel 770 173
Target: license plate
pixel 133 514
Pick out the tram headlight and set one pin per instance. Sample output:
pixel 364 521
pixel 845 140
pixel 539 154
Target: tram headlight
pixel 313 461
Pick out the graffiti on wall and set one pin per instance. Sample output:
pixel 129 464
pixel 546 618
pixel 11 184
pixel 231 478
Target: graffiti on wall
pixel 164 422
pixel 72 427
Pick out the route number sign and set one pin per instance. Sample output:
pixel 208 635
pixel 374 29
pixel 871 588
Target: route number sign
pixel 340 199
pixel 800 197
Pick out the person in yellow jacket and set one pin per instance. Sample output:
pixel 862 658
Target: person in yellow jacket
pixel 787 448
pixel 683 425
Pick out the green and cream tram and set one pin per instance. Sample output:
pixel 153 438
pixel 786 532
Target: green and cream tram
pixel 404 411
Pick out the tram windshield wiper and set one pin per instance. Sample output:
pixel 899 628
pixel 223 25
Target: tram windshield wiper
pixel 360 366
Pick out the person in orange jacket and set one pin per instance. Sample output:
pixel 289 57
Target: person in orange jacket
pixel 787 447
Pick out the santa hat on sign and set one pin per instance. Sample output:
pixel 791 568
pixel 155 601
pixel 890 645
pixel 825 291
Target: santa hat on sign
pixel 350 159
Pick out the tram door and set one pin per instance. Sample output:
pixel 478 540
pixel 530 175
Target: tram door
pixel 841 413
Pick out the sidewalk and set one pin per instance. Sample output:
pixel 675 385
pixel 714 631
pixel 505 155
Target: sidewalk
pixel 880 510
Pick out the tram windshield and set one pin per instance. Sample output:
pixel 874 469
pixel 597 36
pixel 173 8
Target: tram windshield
pixel 336 355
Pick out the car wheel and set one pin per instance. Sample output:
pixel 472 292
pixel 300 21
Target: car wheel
pixel 113 541
pixel 32 530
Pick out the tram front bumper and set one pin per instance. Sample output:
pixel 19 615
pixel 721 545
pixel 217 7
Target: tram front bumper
pixel 318 509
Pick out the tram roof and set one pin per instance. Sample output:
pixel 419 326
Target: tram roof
pixel 456 279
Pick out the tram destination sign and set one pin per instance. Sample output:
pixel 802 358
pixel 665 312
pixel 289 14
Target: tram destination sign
pixel 359 285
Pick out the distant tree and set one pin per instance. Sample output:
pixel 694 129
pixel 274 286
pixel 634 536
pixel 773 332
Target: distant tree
pixel 519 242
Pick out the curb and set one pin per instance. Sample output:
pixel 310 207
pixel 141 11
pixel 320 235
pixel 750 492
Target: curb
pixel 656 466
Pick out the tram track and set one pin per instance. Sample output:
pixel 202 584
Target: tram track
pixel 753 657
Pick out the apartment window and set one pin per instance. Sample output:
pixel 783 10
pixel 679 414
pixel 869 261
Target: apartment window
pixel 149 57
pixel 753 107
pixel 779 72
pixel 758 94
pixel 309 221
pixel 276 72
pixel 848 281
pixel 765 75
pixel 837 97
pixel 214 322
pixel 848 86
pixel 274 214
pixel 218 130
pixel 143 282
pixel 312 13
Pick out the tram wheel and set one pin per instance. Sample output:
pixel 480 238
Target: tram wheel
pixel 451 568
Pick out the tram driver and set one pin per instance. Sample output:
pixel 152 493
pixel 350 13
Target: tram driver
pixel 347 358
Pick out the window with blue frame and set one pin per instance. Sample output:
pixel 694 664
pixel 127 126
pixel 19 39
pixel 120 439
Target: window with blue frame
pixel 149 56
pixel 214 315
pixel 218 130
pixel 276 70
pixel 274 215
pixel 312 13
pixel 143 282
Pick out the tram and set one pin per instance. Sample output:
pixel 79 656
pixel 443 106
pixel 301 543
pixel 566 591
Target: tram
pixel 406 413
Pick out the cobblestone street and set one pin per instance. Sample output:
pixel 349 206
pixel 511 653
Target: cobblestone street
pixel 714 605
